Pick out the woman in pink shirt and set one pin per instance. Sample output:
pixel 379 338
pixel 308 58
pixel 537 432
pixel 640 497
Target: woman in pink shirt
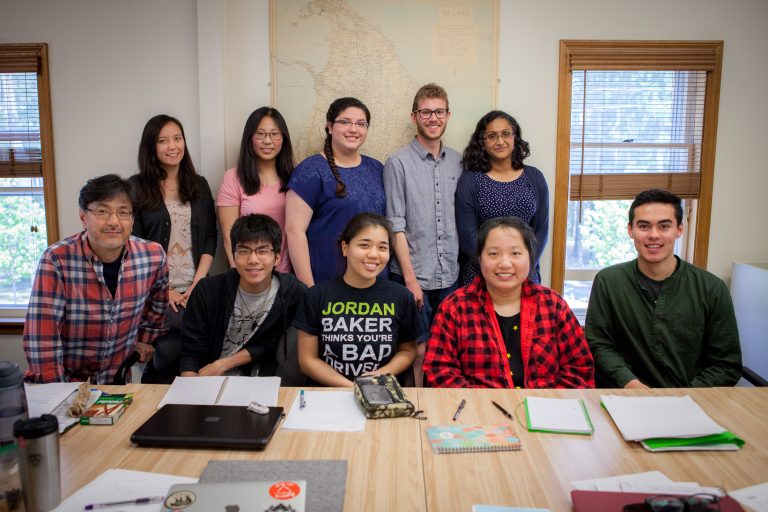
pixel 258 183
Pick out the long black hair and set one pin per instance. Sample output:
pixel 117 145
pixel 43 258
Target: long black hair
pixel 476 159
pixel 247 162
pixel 149 194
pixel 337 107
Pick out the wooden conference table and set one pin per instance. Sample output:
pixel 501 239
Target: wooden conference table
pixel 391 466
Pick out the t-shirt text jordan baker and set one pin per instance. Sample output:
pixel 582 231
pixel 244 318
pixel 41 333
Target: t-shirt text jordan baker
pixel 357 336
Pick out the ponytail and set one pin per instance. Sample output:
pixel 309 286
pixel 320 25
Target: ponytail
pixel 341 188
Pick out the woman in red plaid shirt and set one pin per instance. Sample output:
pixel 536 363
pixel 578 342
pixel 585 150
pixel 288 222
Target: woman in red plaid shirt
pixel 502 331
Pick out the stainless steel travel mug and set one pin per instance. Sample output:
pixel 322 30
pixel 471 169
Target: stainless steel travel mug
pixel 37 442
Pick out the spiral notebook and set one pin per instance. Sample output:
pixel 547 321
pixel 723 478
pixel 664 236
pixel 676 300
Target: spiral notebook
pixel 473 438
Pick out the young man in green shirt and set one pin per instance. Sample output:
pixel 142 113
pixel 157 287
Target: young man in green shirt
pixel 658 321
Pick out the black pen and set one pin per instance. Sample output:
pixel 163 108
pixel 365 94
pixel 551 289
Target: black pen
pixel 458 411
pixel 503 411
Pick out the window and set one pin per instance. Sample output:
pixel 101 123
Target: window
pixel 28 221
pixel 632 115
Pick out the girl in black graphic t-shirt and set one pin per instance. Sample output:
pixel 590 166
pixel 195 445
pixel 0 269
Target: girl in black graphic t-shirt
pixel 356 324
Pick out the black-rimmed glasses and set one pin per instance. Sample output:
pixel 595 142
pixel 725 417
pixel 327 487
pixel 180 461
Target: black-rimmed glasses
pixel 261 252
pixel 275 135
pixel 426 113
pixel 692 503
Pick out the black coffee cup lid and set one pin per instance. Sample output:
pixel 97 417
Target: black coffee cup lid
pixel 34 428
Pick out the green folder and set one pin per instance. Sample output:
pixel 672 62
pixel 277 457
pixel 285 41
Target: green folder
pixel 691 443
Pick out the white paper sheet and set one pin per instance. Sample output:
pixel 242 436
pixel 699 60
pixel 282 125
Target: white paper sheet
pixel 755 497
pixel 332 411
pixel 679 488
pixel 43 398
pixel 646 417
pixel 614 483
pixel 222 391
pixel 560 414
pixel 122 484
pixel 244 390
pixel 193 391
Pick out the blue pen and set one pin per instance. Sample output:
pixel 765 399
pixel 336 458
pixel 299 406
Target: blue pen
pixel 302 403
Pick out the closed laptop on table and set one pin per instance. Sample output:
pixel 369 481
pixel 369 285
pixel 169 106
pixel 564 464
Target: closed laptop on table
pixel 208 426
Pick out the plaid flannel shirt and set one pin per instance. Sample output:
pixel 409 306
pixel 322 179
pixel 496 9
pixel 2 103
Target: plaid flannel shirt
pixel 74 328
pixel 466 349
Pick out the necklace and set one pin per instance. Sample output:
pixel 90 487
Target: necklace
pixel 261 308
pixel 169 189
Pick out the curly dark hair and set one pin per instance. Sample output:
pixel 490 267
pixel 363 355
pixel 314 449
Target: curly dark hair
pixel 475 158
pixel 149 194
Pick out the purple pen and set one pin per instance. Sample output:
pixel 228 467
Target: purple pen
pixel 137 501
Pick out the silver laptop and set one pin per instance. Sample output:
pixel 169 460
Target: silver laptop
pixel 208 426
pixel 282 496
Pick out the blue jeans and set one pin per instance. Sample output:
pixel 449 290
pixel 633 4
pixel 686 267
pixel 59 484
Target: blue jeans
pixel 432 299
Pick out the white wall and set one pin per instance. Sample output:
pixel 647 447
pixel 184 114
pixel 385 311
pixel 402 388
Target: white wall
pixel 114 64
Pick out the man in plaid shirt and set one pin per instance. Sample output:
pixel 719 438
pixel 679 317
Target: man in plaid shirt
pixel 98 295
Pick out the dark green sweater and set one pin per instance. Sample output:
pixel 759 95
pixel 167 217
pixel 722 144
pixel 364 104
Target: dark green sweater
pixel 687 338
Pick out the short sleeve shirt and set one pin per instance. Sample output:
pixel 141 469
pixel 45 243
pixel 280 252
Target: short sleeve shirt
pixel 359 330
pixel 269 200
pixel 313 181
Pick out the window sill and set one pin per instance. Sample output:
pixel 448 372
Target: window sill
pixel 11 325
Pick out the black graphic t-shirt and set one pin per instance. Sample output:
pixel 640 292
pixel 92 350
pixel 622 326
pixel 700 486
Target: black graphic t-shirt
pixel 358 330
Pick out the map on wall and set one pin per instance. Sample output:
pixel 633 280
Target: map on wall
pixel 381 52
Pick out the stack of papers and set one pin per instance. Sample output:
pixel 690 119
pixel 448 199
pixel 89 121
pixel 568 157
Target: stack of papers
pixel 667 423
pixel 649 482
pixel 222 391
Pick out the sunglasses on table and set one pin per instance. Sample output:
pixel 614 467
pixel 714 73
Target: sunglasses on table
pixel 692 503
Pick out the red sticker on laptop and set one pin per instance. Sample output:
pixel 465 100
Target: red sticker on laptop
pixel 284 490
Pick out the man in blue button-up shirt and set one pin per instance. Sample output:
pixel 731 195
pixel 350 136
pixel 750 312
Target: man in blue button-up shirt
pixel 420 181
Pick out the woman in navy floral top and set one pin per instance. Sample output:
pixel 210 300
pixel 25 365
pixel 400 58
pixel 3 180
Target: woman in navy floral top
pixel 495 183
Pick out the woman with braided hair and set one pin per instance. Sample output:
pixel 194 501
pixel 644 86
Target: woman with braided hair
pixel 328 189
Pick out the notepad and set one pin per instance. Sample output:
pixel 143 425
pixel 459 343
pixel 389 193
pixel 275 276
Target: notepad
pixel 330 411
pixel 561 415
pixel 222 391
pixel 56 398
pixel 473 438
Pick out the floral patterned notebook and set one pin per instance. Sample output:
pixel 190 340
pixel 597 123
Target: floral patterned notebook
pixel 473 438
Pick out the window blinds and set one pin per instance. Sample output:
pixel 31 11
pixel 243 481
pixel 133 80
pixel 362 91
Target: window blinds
pixel 635 129
pixel 20 146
